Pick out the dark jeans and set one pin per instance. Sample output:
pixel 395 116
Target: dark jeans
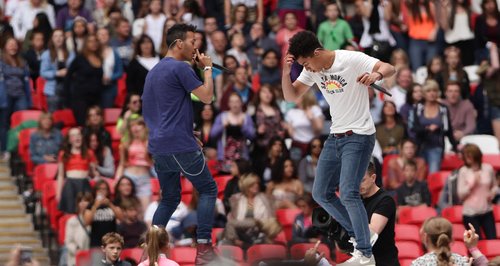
pixel 194 168
pixel 108 96
pixel 13 104
pixel 483 221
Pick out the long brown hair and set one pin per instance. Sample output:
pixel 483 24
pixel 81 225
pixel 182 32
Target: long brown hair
pixel 156 239
pixel 15 60
pixel 414 6
pixel 439 232
pixel 53 49
pixel 66 147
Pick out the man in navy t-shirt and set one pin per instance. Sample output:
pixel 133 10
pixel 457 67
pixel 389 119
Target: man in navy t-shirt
pixel 168 112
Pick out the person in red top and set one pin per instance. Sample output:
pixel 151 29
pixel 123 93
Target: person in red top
pixel 76 164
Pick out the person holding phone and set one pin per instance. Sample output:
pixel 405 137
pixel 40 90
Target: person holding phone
pixel 168 113
pixel 22 256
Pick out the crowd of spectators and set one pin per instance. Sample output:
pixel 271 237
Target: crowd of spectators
pixel 81 49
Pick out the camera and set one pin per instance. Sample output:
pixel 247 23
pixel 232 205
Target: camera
pixel 331 229
pixel 26 255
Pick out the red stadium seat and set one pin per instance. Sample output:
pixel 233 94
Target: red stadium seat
pixel 264 252
pixel 41 103
pixel 453 214
pixel 183 255
pixel 48 192
pixel 459 248
pixel 21 116
pixel 436 182
pixel 43 173
pixel 498 230
pixel 186 198
pixel 405 262
pixel 186 186
pixel 298 251
pixel 155 187
pixel 221 184
pixel 54 214
pixel 233 253
pixel 450 162
pixel 122 91
pixel 496 213
pixel 216 233
pixel 493 159
pixel 407 232
pixel 136 254
pixel 458 232
pixel 408 250
pixel 385 166
pixel 341 257
pixel 415 215
pixel 23 149
pixel 64 116
pixel 286 217
pixel 111 116
pixel 281 239
pixel 61 234
pixel 83 258
pixel 489 248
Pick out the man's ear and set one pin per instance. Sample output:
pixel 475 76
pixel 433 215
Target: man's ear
pixel 316 52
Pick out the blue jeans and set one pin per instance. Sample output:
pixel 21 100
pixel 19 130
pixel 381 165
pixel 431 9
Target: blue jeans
pixel 13 104
pixel 343 163
pixel 108 95
pixel 193 166
pixel 421 52
pixel 433 157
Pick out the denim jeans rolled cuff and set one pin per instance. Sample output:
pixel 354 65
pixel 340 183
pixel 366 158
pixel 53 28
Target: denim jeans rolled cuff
pixel 343 163
pixel 194 168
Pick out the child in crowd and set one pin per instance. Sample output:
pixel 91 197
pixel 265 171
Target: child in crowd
pixel 112 246
pixel 157 248
pixel 412 192
pixel 131 228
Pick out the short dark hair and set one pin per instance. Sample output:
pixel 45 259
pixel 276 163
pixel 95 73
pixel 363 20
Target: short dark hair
pixel 410 163
pixel 371 168
pixel 178 32
pixel 303 44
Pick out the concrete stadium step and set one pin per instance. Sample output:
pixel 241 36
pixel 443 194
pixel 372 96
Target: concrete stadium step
pixel 32 242
pixel 20 234
pixel 13 213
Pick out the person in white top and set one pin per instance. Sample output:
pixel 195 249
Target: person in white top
pixel 342 77
pixel 22 19
pixel 154 23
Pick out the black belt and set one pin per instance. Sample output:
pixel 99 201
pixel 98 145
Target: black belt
pixel 341 135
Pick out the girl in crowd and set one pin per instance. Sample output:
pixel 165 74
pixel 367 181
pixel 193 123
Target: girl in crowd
pixel 131 110
pixel 104 156
pixel 285 187
pixel 156 246
pixel 112 69
pixel 95 124
pixel 454 71
pixel 413 96
pixel 54 66
pixel 430 122
pixel 390 131
pixel 101 214
pixel 83 86
pixel 77 232
pixel 204 126
pixel 307 166
pixel 476 188
pixel 125 190
pixel 276 151
pixel 154 23
pixel 145 58
pixel 76 163
pixel 79 32
pixel 15 94
pixel 135 161
pixel 45 142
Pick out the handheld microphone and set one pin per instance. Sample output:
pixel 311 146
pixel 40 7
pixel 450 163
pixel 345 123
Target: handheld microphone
pixel 214 65
pixel 381 89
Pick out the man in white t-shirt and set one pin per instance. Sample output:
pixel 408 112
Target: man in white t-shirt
pixel 343 77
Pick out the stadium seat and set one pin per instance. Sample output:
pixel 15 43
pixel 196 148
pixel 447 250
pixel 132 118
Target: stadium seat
pixel 186 198
pixel 83 258
pixel 186 186
pixel 341 257
pixel 496 213
pixel 111 116
pixel 407 232
pixel 450 162
pixel 453 214
pixel 183 255
pixel 286 217
pixel 458 232
pixel 133 253
pixel 61 233
pixel 488 144
pixel 498 230
pixel 41 103
pixel 280 239
pixel 436 182
pixel 408 250
pixel 233 253
pixel 489 248
pixel 122 91
pixel 298 251
pixel 416 215
pixel 264 252
pixel 48 192
pixel 23 149
pixel 493 159
pixel 64 116
pixel 216 233
pixel 405 262
pixel 385 167
pixel 155 188
pixel 459 248
pixel 221 184
pixel 21 116
pixel 43 173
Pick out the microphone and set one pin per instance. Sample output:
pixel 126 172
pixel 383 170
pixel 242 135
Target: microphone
pixel 214 65
pixel 381 89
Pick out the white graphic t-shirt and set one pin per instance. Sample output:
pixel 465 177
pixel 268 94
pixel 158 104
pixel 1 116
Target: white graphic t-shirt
pixel 348 99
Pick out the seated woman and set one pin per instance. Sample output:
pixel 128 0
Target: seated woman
pixel 307 166
pixel 77 232
pixel 285 187
pixel 390 131
pixel 95 123
pixel 395 176
pixel 125 190
pixel 131 110
pixel 76 163
pixel 45 142
pixel 135 161
pixel 104 156
pixel 276 151
pixel 102 214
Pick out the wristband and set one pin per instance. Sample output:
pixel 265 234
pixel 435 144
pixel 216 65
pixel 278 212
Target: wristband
pixel 381 75
pixel 473 249
pixel 207 68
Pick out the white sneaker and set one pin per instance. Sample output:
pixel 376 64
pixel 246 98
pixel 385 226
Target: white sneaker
pixel 358 259
pixel 373 239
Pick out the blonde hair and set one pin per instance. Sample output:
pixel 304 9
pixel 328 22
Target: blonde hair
pixel 111 238
pixel 156 238
pixel 439 233
pixel 271 227
pixel 246 181
pixel 308 100
pixel 430 84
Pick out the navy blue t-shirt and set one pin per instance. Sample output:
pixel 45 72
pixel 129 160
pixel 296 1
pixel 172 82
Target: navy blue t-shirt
pixel 167 107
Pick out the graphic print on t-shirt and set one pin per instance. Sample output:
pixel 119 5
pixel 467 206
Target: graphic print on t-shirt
pixel 333 83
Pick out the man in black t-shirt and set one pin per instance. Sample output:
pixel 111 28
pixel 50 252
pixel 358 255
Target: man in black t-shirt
pixel 381 210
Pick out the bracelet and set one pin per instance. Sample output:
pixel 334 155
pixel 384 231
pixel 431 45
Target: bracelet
pixel 473 249
pixel 207 68
pixel 381 75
